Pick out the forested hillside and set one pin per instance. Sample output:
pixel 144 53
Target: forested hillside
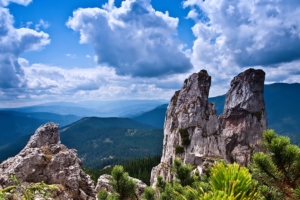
pixel 105 141
pixel 139 168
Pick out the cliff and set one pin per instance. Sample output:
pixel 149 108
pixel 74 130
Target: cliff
pixel 194 132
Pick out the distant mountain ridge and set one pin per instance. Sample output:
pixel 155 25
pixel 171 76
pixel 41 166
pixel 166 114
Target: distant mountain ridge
pixel 155 117
pixel 119 108
pixel 16 124
pixel 283 115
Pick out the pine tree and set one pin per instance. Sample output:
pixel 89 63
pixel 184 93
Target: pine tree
pixel 149 194
pixel 278 168
pixel 182 172
pixel 122 184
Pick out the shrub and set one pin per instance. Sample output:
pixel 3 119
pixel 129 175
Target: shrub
pixel 179 149
pixel 185 141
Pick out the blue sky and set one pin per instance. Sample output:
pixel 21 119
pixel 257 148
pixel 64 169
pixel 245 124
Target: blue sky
pixel 53 50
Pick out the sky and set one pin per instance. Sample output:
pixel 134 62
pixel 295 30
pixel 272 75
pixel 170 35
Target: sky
pixel 75 50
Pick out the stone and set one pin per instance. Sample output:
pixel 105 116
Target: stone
pixel 44 158
pixel 103 184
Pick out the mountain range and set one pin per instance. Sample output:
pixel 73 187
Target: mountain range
pixel 16 124
pixel 103 141
pixel 120 108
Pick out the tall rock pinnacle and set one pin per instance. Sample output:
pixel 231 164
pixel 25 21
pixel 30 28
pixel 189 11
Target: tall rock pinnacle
pixel 194 132
pixel 191 129
pixel 244 117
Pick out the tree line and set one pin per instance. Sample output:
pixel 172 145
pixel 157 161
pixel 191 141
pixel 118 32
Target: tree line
pixel 139 168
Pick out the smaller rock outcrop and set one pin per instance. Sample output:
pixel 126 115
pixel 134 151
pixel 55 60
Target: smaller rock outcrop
pixel 44 158
pixel 103 184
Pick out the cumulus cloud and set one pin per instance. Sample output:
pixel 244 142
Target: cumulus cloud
pixel 44 82
pixel 134 39
pixel 13 42
pixel 234 35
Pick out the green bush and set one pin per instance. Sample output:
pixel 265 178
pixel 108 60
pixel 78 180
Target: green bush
pixel 185 141
pixel 179 149
pixel 149 194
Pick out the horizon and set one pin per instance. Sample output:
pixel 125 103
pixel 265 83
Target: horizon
pixel 31 104
pixel 106 50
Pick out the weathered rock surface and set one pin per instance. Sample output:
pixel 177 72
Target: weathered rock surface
pixel 244 117
pixel 233 136
pixel 103 184
pixel 45 159
pixel 189 111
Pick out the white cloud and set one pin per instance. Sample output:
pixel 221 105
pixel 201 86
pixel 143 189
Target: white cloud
pixel 43 24
pixel 237 34
pixel 193 15
pixel 134 39
pixel 98 83
pixel 28 24
pixel 13 42
pixel 22 2
pixel 71 55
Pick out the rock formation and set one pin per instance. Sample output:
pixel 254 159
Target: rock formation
pixel 194 132
pixel 103 184
pixel 244 118
pixel 191 118
pixel 45 159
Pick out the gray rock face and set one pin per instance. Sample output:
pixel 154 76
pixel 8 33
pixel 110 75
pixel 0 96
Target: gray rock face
pixel 244 117
pixel 189 112
pixel 103 184
pixel 194 132
pixel 45 159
